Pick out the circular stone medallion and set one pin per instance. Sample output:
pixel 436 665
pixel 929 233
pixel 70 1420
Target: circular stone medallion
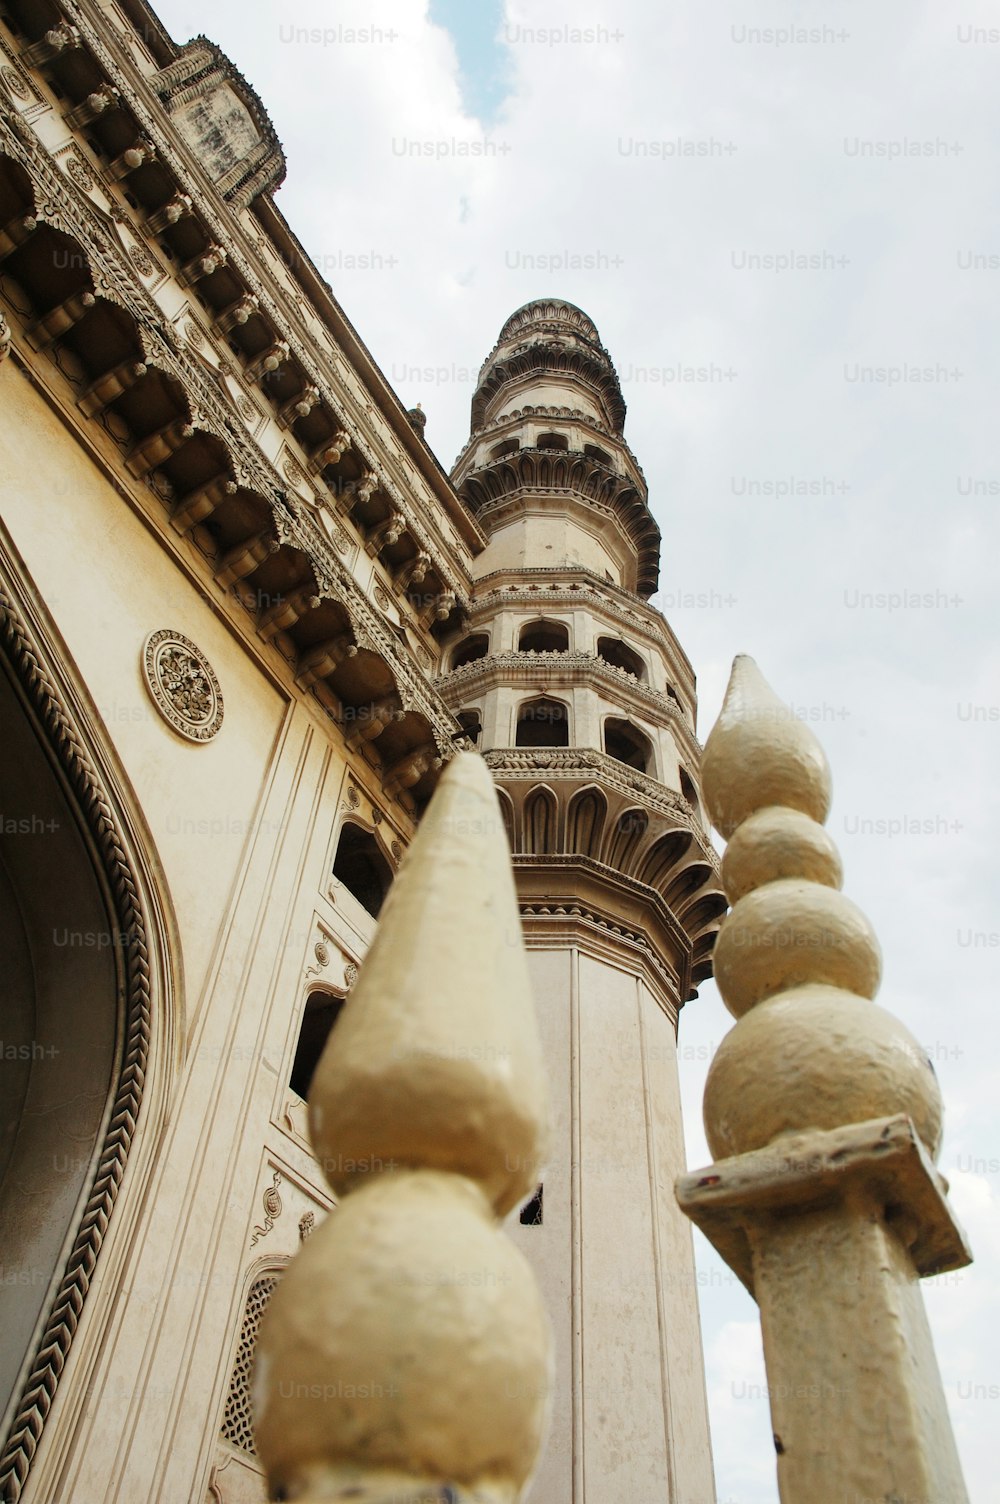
pixel 182 684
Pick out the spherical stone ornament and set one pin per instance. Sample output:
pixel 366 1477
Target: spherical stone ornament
pixel 777 842
pixel 816 1058
pixel 788 933
pixel 759 754
pixel 182 685
pixel 437 1343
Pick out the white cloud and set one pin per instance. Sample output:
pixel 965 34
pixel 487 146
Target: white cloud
pixel 784 577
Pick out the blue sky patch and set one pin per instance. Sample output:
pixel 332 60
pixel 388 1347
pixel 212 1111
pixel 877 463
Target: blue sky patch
pixel 476 29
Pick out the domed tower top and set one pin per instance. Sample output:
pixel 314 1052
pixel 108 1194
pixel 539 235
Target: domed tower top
pixel 546 469
pixel 549 347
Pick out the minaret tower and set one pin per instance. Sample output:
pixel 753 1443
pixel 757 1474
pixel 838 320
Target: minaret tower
pixel 587 709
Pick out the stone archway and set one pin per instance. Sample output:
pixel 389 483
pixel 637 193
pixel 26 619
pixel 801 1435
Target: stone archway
pixel 75 1020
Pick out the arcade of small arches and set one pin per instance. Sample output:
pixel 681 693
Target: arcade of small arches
pixel 549 636
pixel 598 826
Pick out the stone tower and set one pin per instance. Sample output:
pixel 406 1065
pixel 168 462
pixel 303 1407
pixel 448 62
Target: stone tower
pixel 587 709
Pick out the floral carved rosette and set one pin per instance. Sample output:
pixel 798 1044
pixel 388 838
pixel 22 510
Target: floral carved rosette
pixel 182 684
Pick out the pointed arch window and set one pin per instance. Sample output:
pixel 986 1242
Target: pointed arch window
pixel 361 867
pixel 620 655
pixel 626 743
pixel 544 637
pixel 543 723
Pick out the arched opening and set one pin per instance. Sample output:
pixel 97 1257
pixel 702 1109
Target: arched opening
pixel 552 441
pixel 593 452
pixel 509 446
pixel 626 743
pixel 620 655
pixel 65 962
pixel 471 723
pixel 541 814
pixel 361 867
pixel 470 649
pixel 321 1013
pixel 689 791
pixel 544 637
pixel 585 822
pixel 542 723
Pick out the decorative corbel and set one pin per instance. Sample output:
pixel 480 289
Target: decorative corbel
pixel 57 40
pixel 330 452
pixel 175 209
pixel 365 723
pixel 157 447
pixel 385 534
pixel 93 107
pixel 321 661
pixel 414 572
pixel 286 611
pixel 15 232
pixel 54 324
pixel 204 264
pixel 246 557
pixel 201 503
pixel 411 769
pixel 142 151
pixel 299 406
pixel 107 388
pixel 237 314
pixel 268 361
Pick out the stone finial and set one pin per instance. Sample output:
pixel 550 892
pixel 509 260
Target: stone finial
pixel 405 1354
pixel 824 1115
pixel 795 960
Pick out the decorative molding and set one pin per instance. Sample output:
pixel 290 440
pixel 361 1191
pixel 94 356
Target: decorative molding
pixel 272 1209
pixel 570 667
pixel 182 685
pixel 28 660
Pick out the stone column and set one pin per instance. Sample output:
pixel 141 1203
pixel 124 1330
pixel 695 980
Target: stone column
pixel 824 1115
pixel 405 1355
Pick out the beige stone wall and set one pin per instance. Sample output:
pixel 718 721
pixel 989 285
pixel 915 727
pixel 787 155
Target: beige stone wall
pixel 614 1255
pixel 242 832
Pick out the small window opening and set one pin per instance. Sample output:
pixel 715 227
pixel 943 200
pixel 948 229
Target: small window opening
pixel 620 655
pixel 543 723
pixel 531 1211
pixel 321 1013
pixel 361 867
pixel 626 744
pixel 470 649
pixel 544 637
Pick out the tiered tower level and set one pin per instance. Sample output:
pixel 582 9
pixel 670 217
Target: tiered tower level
pixel 586 705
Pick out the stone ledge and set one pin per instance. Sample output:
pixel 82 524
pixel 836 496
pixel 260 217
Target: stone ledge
pixel 806 1171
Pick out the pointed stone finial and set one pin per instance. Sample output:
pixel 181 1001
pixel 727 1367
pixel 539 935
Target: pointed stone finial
pixel 824 1114
pixel 814 1052
pixel 405 1354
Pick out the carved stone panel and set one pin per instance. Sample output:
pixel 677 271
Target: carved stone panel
pixel 182 685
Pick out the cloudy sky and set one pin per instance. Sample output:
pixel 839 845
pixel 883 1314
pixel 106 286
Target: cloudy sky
pixel 784 221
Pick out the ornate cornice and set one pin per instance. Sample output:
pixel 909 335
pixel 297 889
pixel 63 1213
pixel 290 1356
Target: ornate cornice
pixel 288 320
pixel 59 203
pixel 533 764
pixel 640 617
pixel 548 356
pixel 517 416
pixel 569 667
pixel 533 473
